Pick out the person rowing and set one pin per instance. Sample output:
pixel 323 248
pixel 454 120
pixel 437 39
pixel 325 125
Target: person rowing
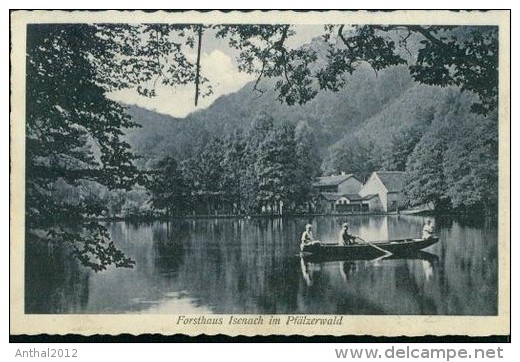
pixel 345 238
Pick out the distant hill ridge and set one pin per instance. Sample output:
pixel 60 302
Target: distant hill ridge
pixel 371 106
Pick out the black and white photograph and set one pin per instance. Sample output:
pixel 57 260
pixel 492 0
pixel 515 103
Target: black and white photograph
pixel 246 172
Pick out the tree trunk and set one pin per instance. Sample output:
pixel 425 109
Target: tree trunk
pixel 197 74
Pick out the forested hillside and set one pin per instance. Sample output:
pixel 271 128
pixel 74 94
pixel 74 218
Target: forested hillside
pixel 379 121
pixel 331 116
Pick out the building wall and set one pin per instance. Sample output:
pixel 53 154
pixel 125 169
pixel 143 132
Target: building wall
pixel 375 186
pixel 374 204
pixel 350 186
pixel 396 197
pixel 384 200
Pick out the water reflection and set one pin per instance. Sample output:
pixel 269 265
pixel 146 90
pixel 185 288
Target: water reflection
pixel 253 266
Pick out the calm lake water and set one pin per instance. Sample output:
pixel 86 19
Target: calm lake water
pixel 253 266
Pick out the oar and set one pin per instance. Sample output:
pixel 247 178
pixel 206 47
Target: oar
pixel 375 246
pixel 382 257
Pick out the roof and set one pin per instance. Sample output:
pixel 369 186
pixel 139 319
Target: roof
pixel 393 180
pixel 333 180
pixel 370 196
pixel 353 197
pixel 331 196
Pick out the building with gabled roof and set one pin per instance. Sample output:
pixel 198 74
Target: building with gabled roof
pixel 338 184
pixel 388 185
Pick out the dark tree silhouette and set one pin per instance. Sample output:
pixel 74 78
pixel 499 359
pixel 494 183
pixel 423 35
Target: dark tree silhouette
pixel 169 188
pixel 73 135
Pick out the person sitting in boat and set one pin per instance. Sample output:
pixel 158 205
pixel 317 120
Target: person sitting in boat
pixel 307 237
pixel 427 231
pixel 345 238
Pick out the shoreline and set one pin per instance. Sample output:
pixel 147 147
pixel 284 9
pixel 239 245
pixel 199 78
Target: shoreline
pixel 264 216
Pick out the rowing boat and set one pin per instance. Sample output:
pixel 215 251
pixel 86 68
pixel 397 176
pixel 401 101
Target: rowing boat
pixel 368 250
pixel 322 258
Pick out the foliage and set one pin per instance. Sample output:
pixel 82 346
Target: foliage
pixel 168 187
pixel 233 170
pixel 471 166
pixel 455 163
pixel 353 155
pixel 425 180
pixel 275 168
pixel 308 162
pixel 261 126
pixel 73 135
pixel 362 44
pixel 465 59
pixel 402 145
pixel 269 169
pixel 145 55
pixel 461 56
pixel 263 51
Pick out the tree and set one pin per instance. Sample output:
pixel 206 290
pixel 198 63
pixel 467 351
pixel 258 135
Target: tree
pixel 425 178
pixel 73 135
pixel 233 169
pixel 208 169
pixel 261 127
pixel 471 165
pixel 425 181
pixel 210 162
pixel 455 163
pixel 308 162
pixel 461 56
pixel 168 187
pixel 141 56
pixel 270 169
pixel 354 155
pixel 276 168
pixel 403 144
pixel 74 132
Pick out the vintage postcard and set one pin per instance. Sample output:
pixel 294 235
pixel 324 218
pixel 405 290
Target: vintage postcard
pixel 260 173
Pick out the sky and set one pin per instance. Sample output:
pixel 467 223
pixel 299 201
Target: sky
pixel 217 64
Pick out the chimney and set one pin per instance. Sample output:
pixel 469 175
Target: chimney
pixel 343 173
